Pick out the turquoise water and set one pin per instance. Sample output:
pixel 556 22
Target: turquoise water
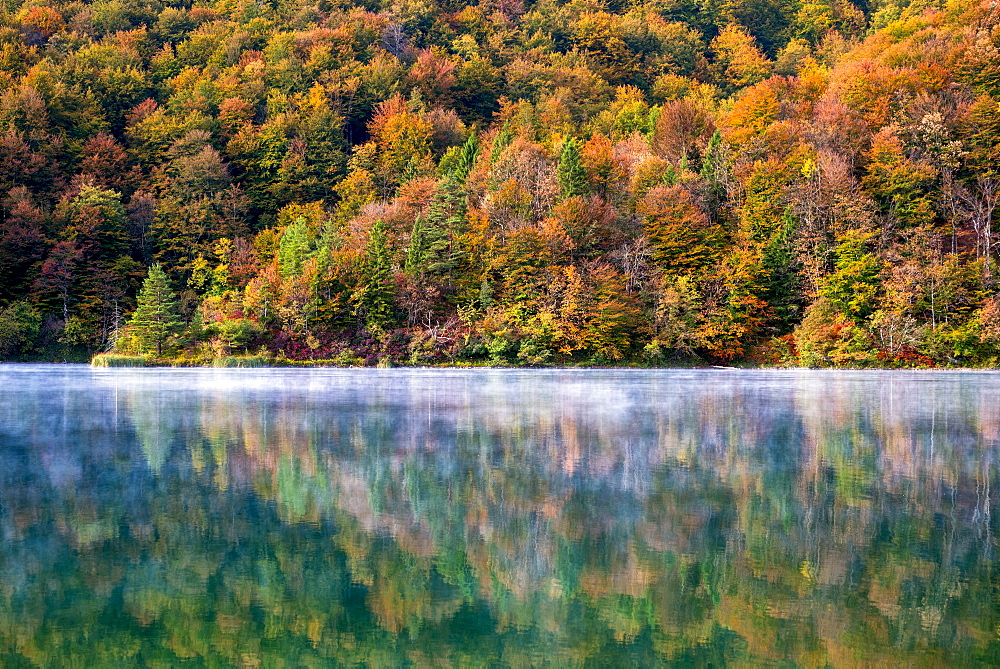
pixel 497 517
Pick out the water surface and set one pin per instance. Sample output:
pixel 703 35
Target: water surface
pixel 497 517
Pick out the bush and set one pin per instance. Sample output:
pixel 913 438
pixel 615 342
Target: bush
pixel 242 361
pixel 112 360
pixel 19 327
pixel 345 359
pixel 828 338
pixel 238 333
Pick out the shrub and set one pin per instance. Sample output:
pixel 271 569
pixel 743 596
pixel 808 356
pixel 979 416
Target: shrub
pixel 19 327
pixel 112 360
pixel 242 361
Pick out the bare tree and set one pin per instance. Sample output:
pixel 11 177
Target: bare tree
pixel 978 204
pixel 394 40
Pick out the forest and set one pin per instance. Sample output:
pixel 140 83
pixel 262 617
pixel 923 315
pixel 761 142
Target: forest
pixel 510 182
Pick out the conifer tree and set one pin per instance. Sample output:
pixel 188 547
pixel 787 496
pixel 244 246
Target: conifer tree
pixel 571 175
pixel 294 248
pixel 375 297
pixel 417 248
pixel 155 317
pixel 445 222
pixel 467 158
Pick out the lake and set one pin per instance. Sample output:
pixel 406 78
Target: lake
pixel 498 517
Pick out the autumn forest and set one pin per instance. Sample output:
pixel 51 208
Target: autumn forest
pixel 511 182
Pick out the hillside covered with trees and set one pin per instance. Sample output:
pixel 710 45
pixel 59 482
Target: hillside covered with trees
pixel 509 182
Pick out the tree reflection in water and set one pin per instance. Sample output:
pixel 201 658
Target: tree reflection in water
pixel 386 517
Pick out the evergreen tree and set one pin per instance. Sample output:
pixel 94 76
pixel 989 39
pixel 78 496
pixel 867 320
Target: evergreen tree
pixel 854 284
pixel 375 298
pixel 466 158
pixel 444 225
pixel 782 290
pixel 501 141
pixel 571 175
pixel 293 249
pixel 155 317
pixel 416 250
pixel 713 168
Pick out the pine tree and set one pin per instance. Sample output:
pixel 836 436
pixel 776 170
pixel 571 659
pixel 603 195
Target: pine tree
pixel 417 249
pixel 781 279
pixel 434 248
pixel 155 317
pixel 375 297
pixel 571 175
pixel 293 249
pixel 467 158
pixel 713 168
pixel 444 225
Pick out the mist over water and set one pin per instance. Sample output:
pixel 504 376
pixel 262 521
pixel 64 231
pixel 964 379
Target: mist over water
pixel 505 517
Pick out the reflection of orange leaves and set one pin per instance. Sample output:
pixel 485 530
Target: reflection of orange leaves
pixel 745 617
pixel 389 605
pixel 629 579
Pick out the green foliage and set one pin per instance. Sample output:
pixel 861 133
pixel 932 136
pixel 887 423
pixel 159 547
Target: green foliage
pixel 613 568
pixel 20 323
pixel 374 301
pixel 242 361
pixel 678 320
pixel 236 333
pixel 571 175
pixel 439 234
pixel 852 288
pixel 97 220
pixel 459 161
pixel 827 338
pixel 113 360
pixel 155 318
pixel 294 247
pixel 782 279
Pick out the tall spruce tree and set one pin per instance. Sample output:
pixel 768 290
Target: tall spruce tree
pixel 466 158
pixel 155 317
pixel 375 296
pixel 572 177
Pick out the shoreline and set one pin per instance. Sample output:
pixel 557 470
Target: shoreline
pixel 258 362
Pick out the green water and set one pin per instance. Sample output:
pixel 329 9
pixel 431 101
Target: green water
pixel 497 518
